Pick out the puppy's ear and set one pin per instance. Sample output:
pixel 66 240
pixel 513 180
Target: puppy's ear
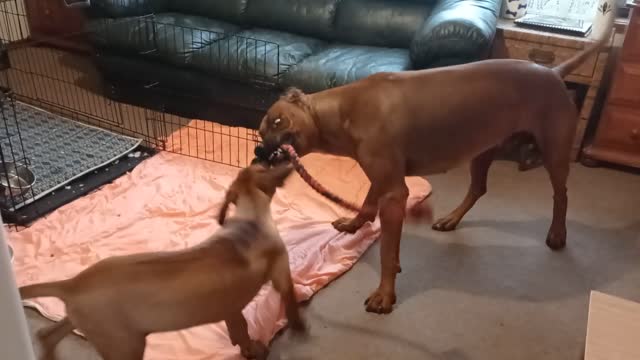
pixel 229 198
pixel 279 174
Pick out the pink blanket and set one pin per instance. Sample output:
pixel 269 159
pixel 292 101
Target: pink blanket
pixel 169 202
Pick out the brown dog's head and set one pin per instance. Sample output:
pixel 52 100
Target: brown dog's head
pixel 253 181
pixel 289 121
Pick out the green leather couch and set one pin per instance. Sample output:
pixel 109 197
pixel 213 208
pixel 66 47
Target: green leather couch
pixel 242 53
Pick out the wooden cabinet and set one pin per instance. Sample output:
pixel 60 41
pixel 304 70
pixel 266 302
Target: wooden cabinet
pixel 550 49
pixel 55 22
pixel 617 138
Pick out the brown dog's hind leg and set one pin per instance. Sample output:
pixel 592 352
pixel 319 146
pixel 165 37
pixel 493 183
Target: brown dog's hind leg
pixel 479 171
pixel 557 236
pixel 392 210
pixel 368 213
pixel 239 335
pixel 555 139
pixel 52 335
pixel 556 161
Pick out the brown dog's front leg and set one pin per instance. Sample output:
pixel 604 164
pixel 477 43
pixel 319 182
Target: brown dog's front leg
pixel 239 335
pixel 368 213
pixel 392 209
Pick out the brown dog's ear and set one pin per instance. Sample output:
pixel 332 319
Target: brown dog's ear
pixel 295 96
pixel 230 197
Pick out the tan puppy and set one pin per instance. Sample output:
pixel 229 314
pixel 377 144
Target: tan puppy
pixel 417 123
pixel 118 301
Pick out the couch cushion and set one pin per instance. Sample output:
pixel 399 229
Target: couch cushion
pixel 228 10
pixel 130 34
pixel 304 17
pixel 341 64
pixel 179 36
pixel 388 23
pixel 170 37
pixel 256 53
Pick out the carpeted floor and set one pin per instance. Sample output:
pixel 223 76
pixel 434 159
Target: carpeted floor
pixel 491 290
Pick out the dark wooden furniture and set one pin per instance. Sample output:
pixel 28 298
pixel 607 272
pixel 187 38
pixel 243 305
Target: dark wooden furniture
pixel 550 49
pixel 617 137
pixel 55 23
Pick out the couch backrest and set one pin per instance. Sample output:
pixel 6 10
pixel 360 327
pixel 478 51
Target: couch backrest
pixel 303 17
pixel 389 23
pixel 125 8
pixel 227 10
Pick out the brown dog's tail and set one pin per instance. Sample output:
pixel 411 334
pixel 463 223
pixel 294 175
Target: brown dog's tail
pixel 50 289
pixel 572 64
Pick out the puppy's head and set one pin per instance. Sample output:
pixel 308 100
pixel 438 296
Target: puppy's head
pixel 254 181
pixel 289 121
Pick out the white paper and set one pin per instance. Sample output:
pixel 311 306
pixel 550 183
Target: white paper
pixel 571 9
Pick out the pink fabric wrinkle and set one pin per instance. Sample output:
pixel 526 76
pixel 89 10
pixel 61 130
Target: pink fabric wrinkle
pixel 170 202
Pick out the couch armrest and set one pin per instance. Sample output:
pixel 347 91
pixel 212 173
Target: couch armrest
pixel 125 8
pixel 456 29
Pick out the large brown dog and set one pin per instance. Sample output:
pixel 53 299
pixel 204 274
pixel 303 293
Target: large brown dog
pixel 426 122
pixel 118 301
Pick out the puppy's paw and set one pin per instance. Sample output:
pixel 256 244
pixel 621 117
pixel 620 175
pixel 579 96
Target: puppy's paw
pixel 381 301
pixel 255 350
pixel 348 225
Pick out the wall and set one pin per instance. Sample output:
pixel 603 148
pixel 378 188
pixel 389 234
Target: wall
pixel 15 342
pixel 13 20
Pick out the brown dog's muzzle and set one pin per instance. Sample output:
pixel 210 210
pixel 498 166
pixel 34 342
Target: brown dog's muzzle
pixel 269 152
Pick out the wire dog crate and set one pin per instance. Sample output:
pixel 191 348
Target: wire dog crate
pixel 61 121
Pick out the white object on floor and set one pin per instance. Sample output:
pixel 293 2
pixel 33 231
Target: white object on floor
pixel 15 342
pixel 613 328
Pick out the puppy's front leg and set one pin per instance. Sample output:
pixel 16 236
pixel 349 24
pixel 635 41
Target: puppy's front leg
pixel 281 279
pixel 368 213
pixel 239 334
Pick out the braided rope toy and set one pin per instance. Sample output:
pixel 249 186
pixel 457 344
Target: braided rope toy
pixel 297 164
pixel 415 212
pixel 286 150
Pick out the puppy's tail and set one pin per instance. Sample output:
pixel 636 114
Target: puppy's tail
pixel 572 64
pixel 50 289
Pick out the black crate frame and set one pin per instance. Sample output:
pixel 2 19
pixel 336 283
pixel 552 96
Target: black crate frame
pixel 30 72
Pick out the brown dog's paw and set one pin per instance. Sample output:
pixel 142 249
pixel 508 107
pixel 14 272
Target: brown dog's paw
pixel 447 223
pixel 557 240
pixel 380 301
pixel 256 350
pixel 348 225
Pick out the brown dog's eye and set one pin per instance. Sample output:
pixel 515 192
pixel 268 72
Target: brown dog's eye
pixel 276 122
